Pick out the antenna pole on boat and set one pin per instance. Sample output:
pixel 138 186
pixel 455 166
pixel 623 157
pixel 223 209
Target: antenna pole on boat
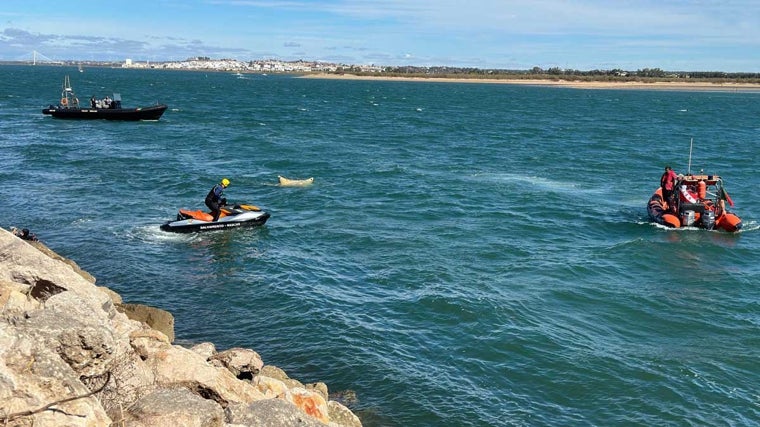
pixel 691 145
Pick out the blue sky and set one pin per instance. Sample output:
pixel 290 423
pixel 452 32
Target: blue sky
pixel 682 35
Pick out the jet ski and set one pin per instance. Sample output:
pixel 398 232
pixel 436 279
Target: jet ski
pixel 231 217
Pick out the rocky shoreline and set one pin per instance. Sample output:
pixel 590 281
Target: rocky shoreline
pixel 73 354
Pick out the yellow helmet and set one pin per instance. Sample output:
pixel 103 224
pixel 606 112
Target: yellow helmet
pixel 225 182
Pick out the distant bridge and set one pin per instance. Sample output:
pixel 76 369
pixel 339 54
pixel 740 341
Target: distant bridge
pixel 35 57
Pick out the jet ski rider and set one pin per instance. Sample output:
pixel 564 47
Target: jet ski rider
pixel 214 199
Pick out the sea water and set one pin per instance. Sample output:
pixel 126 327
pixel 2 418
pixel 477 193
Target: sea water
pixel 468 255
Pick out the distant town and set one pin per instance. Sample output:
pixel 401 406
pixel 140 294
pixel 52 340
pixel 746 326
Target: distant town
pixel 305 66
pixel 234 65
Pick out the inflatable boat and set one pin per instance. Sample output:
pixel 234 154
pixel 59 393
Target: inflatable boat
pixel 231 217
pixel 69 107
pixel 152 112
pixel 698 201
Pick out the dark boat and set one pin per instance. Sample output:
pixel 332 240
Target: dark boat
pixel 108 109
pixel 231 217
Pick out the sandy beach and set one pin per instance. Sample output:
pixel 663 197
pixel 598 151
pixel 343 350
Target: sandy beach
pixel 685 86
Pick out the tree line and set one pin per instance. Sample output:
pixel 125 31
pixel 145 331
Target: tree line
pixel 556 72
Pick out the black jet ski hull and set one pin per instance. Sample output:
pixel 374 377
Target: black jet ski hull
pixel 196 225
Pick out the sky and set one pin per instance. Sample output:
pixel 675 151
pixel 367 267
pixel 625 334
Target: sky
pixel 673 35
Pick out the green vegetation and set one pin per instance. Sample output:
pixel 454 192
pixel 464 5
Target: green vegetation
pixel 646 75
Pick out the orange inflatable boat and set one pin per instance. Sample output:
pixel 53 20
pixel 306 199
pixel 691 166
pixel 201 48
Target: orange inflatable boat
pixel 698 201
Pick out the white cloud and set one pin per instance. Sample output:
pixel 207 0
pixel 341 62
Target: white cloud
pixel 481 33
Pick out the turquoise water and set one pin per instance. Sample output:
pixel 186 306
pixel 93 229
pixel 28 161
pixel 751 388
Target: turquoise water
pixel 469 254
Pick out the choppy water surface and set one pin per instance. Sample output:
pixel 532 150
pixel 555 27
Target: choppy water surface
pixel 469 254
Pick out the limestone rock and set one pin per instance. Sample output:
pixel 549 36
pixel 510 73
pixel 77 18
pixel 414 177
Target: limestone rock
pixel 22 263
pixel 174 407
pixel 115 298
pixel 205 349
pixel 62 337
pixel 146 341
pixel 243 363
pixel 131 380
pixel 311 403
pixel 272 371
pixel 270 387
pixel 269 413
pixel 34 376
pixel 341 415
pixel 177 365
pixel 319 387
pixel 277 373
pixel 45 250
pixel 160 320
pixel 15 300
pixel 80 334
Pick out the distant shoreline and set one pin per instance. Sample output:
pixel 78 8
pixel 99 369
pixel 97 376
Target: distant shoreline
pixel 576 84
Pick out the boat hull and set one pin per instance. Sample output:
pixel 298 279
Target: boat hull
pixel 193 225
pixel 690 215
pixel 729 222
pixel 153 112
pixel 659 213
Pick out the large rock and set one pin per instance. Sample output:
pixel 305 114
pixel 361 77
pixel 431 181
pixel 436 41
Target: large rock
pixel 341 415
pixel 68 357
pixel 74 266
pixel 242 362
pixel 270 387
pixel 15 300
pixel 22 263
pixel 115 298
pixel 269 413
pixel 172 365
pixel 81 335
pixel 310 402
pixel 89 348
pixel 205 349
pixel 34 376
pixel 160 320
pixel 132 380
pixel 62 338
pixel 279 374
pixel 174 407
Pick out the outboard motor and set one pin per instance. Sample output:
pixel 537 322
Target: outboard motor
pixel 708 219
pixel 116 103
pixel 687 218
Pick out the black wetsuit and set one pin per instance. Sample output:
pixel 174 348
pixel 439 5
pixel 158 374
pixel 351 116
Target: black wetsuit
pixel 213 198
